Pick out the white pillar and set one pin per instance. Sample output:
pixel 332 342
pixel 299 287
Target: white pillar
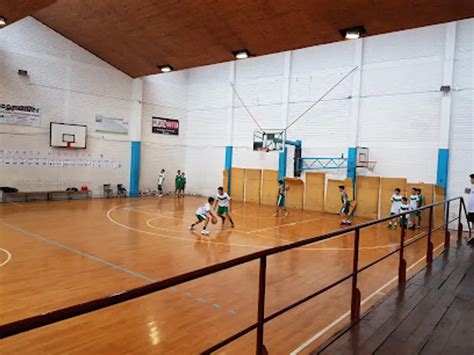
pixel 230 109
pixel 135 119
pixel 356 84
pixel 448 70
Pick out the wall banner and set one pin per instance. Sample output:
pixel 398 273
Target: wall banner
pixel 21 115
pixel 167 126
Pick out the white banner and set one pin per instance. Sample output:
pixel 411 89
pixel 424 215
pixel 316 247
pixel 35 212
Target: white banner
pixel 21 115
pixel 112 125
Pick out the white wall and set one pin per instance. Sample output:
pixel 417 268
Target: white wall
pixel 398 117
pixel 69 85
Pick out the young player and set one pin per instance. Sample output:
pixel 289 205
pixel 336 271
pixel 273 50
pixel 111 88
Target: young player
pixel 413 207
pixel 161 180
pixel 204 214
pixel 281 201
pixel 404 207
pixel 223 206
pixel 470 207
pixel 419 203
pixel 183 183
pixel 177 181
pixel 396 200
pixel 346 206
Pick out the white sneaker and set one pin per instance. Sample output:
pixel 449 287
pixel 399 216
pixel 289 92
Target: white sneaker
pixel 205 232
pixel 191 227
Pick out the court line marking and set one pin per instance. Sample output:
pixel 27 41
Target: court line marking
pixel 9 257
pixel 16 204
pixel 65 247
pixel 76 251
pixel 347 314
pixel 234 244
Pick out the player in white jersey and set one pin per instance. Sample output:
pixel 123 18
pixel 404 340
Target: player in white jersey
pixel 223 206
pixel 404 207
pixel 470 206
pixel 161 180
pixel 204 214
pixel 413 207
pixel 396 200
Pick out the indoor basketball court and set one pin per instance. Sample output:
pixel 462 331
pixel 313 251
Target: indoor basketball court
pixel 236 178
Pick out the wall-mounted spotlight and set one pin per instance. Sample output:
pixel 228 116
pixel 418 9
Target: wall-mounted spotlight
pixel 3 21
pixel 353 32
pixel 241 54
pixel 165 68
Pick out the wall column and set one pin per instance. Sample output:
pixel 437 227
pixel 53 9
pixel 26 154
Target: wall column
pixel 355 109
pixel 446 98
pixel 285 101
pixel 134 133
pixel 229 150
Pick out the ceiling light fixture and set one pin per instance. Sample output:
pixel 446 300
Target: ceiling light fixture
pixel 353 32
pixel 165 68
pixel 3 21
pixel 241 54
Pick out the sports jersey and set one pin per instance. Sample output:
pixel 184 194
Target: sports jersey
pixel 414 202
pixel 396 203
pixel 161 178
pixel 470 203
pixel 404 208
pixel 204 209
pixel 344 198
pixel 420 201
pixel 281 190
pixel 223 200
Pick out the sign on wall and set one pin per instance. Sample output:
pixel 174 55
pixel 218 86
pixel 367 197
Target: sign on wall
pixel 167 126
pixel 21 115
pixel 111 125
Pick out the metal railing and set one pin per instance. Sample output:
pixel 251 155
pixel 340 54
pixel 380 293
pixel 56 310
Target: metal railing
pixel 45 319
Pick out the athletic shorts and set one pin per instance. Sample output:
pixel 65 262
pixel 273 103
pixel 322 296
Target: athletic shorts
pixel 201 218
pixel 222 210
pixel 470 217
pixel 281 201
pixel 345 208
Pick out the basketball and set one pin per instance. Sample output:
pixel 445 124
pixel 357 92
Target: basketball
pixel 213 220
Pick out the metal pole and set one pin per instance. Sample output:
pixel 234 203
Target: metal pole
pixel 261 305
pixel 429 247
pixel 447 234
pixel 355 298
pixel 402 264
pixel 460 228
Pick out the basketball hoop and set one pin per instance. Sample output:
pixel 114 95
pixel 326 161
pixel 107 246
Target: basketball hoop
pixel 263 149
pixel 68 145
pixel 368 164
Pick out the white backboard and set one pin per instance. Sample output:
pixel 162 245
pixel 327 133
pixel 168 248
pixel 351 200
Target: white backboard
pixel 64 135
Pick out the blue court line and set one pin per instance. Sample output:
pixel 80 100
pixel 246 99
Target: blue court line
pixel 95 258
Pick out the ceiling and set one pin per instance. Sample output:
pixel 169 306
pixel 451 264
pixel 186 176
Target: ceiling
pixel 137 35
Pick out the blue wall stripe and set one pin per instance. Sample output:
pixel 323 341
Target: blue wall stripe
pixel 229 151
pixel 282 163
pixel 442 171
pixel 352 164
pixel 135 169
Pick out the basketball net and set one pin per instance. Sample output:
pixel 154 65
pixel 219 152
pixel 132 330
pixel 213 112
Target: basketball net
pixel 68 144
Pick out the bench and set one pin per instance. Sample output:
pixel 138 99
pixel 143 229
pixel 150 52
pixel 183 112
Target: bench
pixel 43 195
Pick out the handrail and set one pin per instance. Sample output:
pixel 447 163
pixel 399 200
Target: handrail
pixel 58 315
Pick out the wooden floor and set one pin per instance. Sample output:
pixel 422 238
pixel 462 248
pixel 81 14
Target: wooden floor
pixel 67 252
pixel 434 315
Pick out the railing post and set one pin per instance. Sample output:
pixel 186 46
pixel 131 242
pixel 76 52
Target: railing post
pixel 429 247
pixel 261 350
pixel 447 234
pixel 460 228
pixel 402 264
pixel 355 298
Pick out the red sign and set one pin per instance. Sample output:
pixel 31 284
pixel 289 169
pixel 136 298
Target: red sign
pixel 167 126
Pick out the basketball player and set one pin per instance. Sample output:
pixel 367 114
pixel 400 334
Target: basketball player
pixel 224 205
pixel 204 214
pixel 161 180
pixel 281 201
pixel 346 206
pixel 396 200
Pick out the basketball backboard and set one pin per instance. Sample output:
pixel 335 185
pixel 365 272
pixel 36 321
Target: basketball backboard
pixel 64 135
pixel 269 140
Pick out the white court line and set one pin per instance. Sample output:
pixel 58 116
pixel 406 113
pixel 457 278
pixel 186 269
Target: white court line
pixel 283 225
pixel 9 257
pixel 345 315
pixel 16 204
pixel 127 207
